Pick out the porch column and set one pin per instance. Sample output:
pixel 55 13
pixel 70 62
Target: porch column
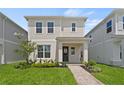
pixel 60 52
pixel 85 51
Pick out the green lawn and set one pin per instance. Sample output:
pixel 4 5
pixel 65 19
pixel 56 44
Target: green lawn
pixel 30 76
pixel 110 75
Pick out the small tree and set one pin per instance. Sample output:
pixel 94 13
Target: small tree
pixel 25 49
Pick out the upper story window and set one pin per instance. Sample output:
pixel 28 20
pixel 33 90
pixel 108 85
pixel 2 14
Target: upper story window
pixel 109 26
pixel 123 22
pixel 38 27
pixel 73 26
pixel 50 26
pixel 90 38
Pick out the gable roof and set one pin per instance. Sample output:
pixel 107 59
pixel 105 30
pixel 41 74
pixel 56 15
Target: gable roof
pixel 75 17
pixel 4 16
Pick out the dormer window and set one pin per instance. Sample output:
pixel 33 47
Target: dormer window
pixel 50 26
pixel 109 26
pixel 73 26
pixel 38 27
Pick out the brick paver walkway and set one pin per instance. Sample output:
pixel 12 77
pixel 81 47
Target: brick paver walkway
pixel 82 76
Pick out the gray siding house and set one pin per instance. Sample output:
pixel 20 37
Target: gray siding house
pixel 106 43
pixel 8 39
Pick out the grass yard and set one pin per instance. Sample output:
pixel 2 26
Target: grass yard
pixel 31 76
pixel 110 75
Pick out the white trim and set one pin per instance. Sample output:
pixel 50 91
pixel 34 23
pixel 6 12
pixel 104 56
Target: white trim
pixel 61 27
pixel 39 40
pixel 8 42
pixel 11 42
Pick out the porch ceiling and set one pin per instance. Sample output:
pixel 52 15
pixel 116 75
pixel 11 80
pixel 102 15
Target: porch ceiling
pixel 71 39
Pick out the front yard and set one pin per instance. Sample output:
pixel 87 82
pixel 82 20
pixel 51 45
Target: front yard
pixel 31 76
pixel 110 75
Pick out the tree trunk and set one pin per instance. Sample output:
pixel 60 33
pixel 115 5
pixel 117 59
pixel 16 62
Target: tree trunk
pixel 27 61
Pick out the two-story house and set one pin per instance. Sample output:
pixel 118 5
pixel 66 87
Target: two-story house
pixel 106 43
pixel 58 37
pixel 8 39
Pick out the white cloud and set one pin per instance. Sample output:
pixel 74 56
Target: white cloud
pixel 91 24
pixel 72 12
pixel 77 12
pixel 89 13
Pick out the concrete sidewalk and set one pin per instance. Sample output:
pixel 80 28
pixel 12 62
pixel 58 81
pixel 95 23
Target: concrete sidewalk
pixel 82 76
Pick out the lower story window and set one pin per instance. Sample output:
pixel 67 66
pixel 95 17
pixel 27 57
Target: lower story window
pixel 72 50
pixel 44 51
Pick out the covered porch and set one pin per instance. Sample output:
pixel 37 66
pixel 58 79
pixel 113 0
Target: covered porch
pixel 72 49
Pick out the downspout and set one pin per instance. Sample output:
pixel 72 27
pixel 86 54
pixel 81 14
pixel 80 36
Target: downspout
pixel 3 55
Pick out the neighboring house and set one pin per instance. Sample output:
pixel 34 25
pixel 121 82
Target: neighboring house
pixel 106 43
pixel 8 39
pixel 59 38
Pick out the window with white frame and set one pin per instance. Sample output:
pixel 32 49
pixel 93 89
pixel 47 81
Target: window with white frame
pixel 50 26
pixel 73 26
pixel 38 27
pixel 109 26
pixel 44 51
pixel 72 50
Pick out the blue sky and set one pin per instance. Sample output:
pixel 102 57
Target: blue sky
pixel 95 15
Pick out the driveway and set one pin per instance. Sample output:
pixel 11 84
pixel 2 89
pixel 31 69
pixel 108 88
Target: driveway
pixel 82 76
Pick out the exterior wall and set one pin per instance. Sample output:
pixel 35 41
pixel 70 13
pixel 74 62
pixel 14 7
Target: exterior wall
pixel 66 28
pixel 62 28
pixel 10 55
pixel 52 43
pixel 1 27
pixel 10 42
pixel 105 47
pixel 0 52
pixel 102 52
pixel 10 29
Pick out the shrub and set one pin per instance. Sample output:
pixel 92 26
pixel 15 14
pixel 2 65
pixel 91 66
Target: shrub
pixel 95 69
pixel 90 66
pixel 21 65
pixel 91 63
pixel 32 61
pixel 46 63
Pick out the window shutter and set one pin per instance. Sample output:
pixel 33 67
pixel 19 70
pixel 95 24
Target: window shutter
pixel 120 23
